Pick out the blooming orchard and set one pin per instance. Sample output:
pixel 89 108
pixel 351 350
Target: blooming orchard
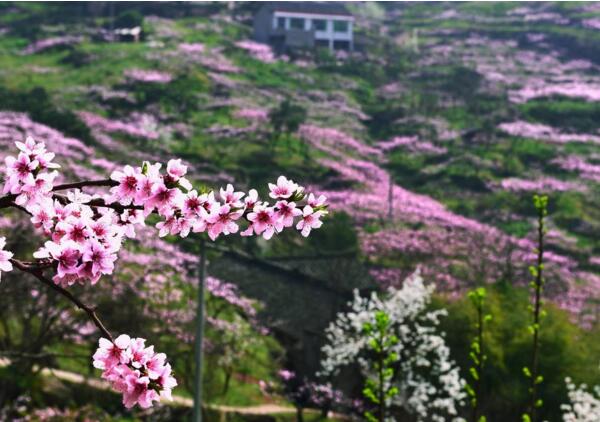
pixel 85 233
pixel 429 382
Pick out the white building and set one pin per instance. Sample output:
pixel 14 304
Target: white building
pixel 305 24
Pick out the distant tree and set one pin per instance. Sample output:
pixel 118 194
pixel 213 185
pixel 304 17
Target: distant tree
pixel 287 118
pixel 403 345
pixel 129 19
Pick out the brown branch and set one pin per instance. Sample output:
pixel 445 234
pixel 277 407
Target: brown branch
pixel 85 183
pixel 99 202
pixel 38 273
pixel 9 200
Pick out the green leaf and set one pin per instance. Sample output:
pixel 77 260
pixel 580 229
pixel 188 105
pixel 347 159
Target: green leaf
pixel 533 271
pixel 370 417
pixel 470 390
pixel 526 372
pixel 539 403
pixel 539 379
pixel 370 395
pixel 474 373
pixel 525 418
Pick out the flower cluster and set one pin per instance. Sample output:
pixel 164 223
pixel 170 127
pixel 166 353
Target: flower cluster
pixel 184 209
pixel 543 184
pixel 86 232
pixel 48 43
pixel 138 372
pixel 306 393
pixel 259 51
pixel 5 256
pixel 257 115
pixel 583 406
pixel 148 76
pixel 27 175
pixel 84 242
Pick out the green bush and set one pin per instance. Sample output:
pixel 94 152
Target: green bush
pixel 566 350
pixel 40 107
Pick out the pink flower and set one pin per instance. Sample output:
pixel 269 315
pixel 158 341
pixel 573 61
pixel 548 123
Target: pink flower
pixel 111 354
pixel 155 364
pixel 263 221
pixel 232 198
pixel 286 375
pixel 127 189
pixel 33 188
pixel 169 226
pixel 43 215
pixel 163 199
pixel 5 256
pixel 101 259
pixel 166 381
pixel 175 169
pixel 193 205
pixel 66 254
pixel 251 199
pixel 21 167
pixel 283 189
pixel 286 212
pixel 310 220
pixel 138 392
pixel 223 221
pixel 75 230
pixel 30 147
pixel 316 202
pixel 139 354
pixel 147 182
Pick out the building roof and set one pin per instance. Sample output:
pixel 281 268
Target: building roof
pixel 317 7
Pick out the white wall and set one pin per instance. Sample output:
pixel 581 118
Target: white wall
pixel 328 34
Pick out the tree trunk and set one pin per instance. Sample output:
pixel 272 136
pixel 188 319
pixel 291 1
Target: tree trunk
pixel 299 414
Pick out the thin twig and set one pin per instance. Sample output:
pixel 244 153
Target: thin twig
pixel 38 273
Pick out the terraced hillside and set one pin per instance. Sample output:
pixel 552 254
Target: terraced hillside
pixel 429 141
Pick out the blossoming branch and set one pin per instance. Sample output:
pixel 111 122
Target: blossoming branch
pixel 85 233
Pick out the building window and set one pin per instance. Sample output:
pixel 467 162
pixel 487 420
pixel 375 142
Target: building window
pixel 280 23
pixel 297 23
pixel 341 45
pixel 319 24
pixel 340 26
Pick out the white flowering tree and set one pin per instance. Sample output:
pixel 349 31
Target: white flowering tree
pixel 583 406
pixel 428 382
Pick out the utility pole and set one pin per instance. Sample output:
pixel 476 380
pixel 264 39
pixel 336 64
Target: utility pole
pixel 197 417
pixel 390 198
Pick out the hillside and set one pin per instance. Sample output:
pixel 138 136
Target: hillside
pixel 429 141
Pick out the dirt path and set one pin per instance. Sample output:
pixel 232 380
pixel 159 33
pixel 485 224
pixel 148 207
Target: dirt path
pixel 74 378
